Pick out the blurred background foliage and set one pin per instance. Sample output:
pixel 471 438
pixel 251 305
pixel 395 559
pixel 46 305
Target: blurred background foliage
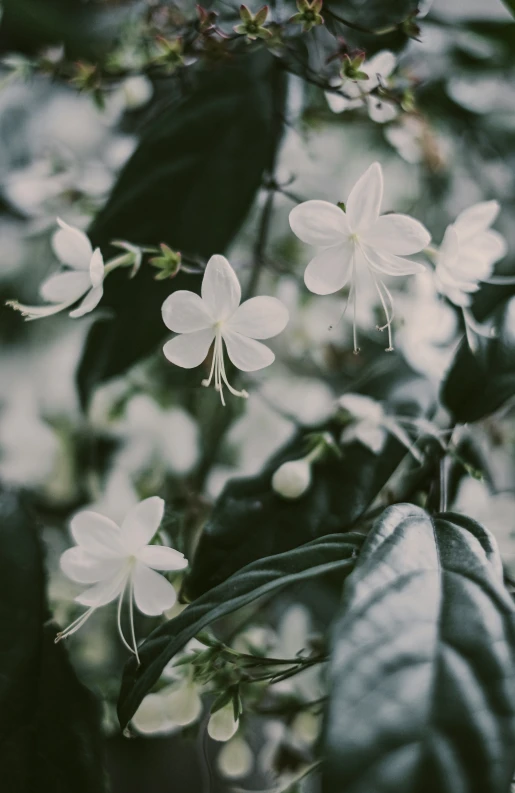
pixel 211 157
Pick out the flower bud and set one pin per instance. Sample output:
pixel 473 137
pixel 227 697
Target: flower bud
pixel 222 725
pixel 292 479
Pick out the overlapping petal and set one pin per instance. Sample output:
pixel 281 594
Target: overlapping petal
pixel 185 312
pixel 259 318
pixel 330 269
pixel 97 535
pixel 84 568
pixel 247 354
pixel 397 234
pixel 105 591
pixel 65 287
pixel 160 557
pixel 72 246
pixel 141 523
pixel 319 223
pixel 91 301
pixel 389 264
pixel 476 218
pixel 189 349
pixel 153 593
pixel 364 202
pixel 96 268
pixel 221 291
pixel 378 68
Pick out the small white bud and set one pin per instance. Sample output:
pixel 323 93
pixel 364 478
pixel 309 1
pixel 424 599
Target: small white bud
pixel 291 480
pixel 222 725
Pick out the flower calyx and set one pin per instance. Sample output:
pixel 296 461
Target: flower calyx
pixel 252 25
pixel 308 15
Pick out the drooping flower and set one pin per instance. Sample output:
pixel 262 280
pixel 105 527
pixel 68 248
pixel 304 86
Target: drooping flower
pixel 83 278
pixel 358 93
pixel 115 559
pixel 218 317
pixel 468 253
pixel 356 238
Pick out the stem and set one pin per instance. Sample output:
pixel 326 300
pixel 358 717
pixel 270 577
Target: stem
pixel 359 28
pixel 444 472
pixel 261 243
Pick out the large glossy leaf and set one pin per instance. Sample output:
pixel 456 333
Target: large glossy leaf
pixel 250 520
pixel 49 722
pixel 423 663
pixel 190 183
pixel 481 381
pixel 328 554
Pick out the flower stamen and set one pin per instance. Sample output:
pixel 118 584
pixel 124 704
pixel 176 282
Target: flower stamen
pixel 75 625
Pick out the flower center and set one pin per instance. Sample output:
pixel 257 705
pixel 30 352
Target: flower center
pixel 218 367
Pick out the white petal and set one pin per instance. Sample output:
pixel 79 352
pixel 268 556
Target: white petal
pixel 142 522
pixel 222 725
pixel 319 223
pixel 381 110
pixel 36 312
pixel 330 269
pixel 160 557
pixel 489 245
pixel 236 758
pixel 72 247
pixel 365 199
pixel 153 593
pixel 379 67
pixel 91 301
pixel 65 287
pixel 221 291
pixel 247 354
pixel 450 247
pixel 368 434
pixel 339 103
pixel 97 534
pixel 105 591
pixel 259 318
pixel 389 264
pixel 80 566
pixel 476 218
pixel 151 718
pixel 185 312
pixel 189 349
pixel 397 234
pixel 362 407
pixel 96 268
pixel 183 705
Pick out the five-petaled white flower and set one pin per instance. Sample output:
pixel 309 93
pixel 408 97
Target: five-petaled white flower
pixel 358 238
pixel 468 253
pixel 218 317
pixel 119 558
pixel 356 93
pixel 84 278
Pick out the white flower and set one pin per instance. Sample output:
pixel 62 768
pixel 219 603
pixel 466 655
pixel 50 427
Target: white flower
pixel 84 278
pixel 236 759
pixel 357 93
pixel 371 425
pixel 116 558
pixel 468 253
pixel 169 709
pixel 222 725
pixel 292 479
pixel 358 238
pixel 217 316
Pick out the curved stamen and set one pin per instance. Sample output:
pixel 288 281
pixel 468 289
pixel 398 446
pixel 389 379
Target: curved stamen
pixel 119 619
pixel 131 620
pixel 75 625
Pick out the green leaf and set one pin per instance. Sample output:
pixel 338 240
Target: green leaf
pixel 328 554
pixel 50 735
pixel 480 382
pixel 423 663
pixel 250 520
pixel 189 184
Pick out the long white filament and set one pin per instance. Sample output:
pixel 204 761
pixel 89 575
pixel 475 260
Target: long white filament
pixel 218 371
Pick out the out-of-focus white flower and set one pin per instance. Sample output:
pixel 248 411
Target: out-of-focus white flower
pixel 468 253
pixel 235 760
pixel 222 725
pixel 115 559
pixel 407 137
pixel 169 709
pixel 493 510
pixel 154 434
pixel 371 425
pixel 358 238
pixel 357 93
pixel 28 446
pixel 84 278
pixel 292 479
pixel 136 90
pixel 218 316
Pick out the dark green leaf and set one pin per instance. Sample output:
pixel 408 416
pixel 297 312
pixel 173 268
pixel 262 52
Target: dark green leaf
pixel 250 520
pixel 423 663
pixel 328 554
pixel 49 722
pixel 189 184
pixel 479 382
